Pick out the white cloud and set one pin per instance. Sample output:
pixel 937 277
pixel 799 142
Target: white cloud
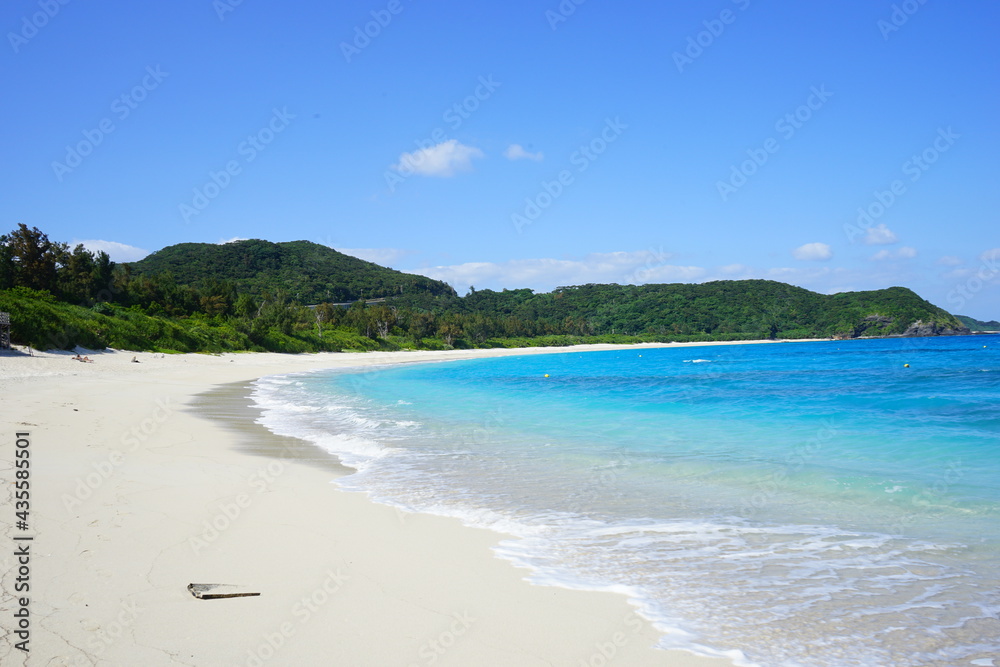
pixel 667 273
pixel 950 260
pixel 822 278
pixel 442 160
pixel 656 267
pixel 906 252
pixel 119 252
pixel 735 269
pixel 232 240
pixel 956 274
pixel 383 256
pixel 517 152
pixel 880 235
pixel 990 255
pixel 813 252
pixel 545 274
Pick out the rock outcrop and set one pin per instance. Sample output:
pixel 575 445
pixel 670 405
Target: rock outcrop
pixel 921 328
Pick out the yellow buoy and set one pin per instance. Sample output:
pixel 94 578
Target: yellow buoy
pixel 906 365
pixel 546 375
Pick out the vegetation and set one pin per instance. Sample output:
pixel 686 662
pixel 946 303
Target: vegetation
pixel 250 295
pixel 978 325
pixel 309 272
pixel 43 322
pixel 722 310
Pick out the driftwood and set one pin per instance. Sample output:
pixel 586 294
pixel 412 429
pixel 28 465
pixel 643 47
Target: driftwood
pixel 219 591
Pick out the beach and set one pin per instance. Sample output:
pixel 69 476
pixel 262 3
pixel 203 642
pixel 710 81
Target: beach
pixel 135 493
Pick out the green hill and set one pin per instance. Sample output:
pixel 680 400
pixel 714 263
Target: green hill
pixel 249 295
pixel 308 272
pixel 728 308
pixel 40 320
pixel 979 325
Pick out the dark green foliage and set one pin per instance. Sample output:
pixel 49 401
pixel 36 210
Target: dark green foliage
pixel 309 272
pixel 721 310
pixel 41 321
pixel 8 277
pixel 32 258
pixel 84 276
pixel 979 325
pixel 248 296
pixel 29 259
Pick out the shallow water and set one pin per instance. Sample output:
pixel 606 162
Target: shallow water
pixel 795 504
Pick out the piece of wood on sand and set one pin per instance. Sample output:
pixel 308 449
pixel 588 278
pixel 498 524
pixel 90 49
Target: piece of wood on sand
pixel 219 591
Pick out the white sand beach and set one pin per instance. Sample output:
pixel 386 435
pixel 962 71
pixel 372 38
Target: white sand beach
pixel 133 496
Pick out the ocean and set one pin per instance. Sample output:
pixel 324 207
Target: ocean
pixel 809 503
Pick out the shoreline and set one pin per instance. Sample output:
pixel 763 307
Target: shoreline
pixel 257 440
pixel 135 495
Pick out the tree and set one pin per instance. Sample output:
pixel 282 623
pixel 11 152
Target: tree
pixel 327 313
pixel 6 264
pixel 77 277
pixel 35 258
pixel 449 330
pixel 478 328
pixel 422 325
pixel 245 307
pixel 276 312
pixel 382 320
pixel 213 305
pixel 357 317
pixel 104 277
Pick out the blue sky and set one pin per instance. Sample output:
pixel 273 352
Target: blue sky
pixel 834 145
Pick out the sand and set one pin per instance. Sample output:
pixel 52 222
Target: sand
pixel 135 493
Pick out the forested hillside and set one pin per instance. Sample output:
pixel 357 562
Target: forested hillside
pixel 978 325
pixel 738 308
pixel 253 295
pixel 309 272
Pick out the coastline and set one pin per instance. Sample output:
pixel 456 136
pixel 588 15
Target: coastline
pixel 134 496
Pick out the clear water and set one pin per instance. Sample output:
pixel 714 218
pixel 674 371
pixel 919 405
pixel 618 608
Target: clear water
pixel 790 504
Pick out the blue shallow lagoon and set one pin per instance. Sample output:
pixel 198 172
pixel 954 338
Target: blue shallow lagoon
pixel 810 503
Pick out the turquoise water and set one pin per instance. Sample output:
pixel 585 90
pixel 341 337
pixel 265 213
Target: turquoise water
pixel 786 504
